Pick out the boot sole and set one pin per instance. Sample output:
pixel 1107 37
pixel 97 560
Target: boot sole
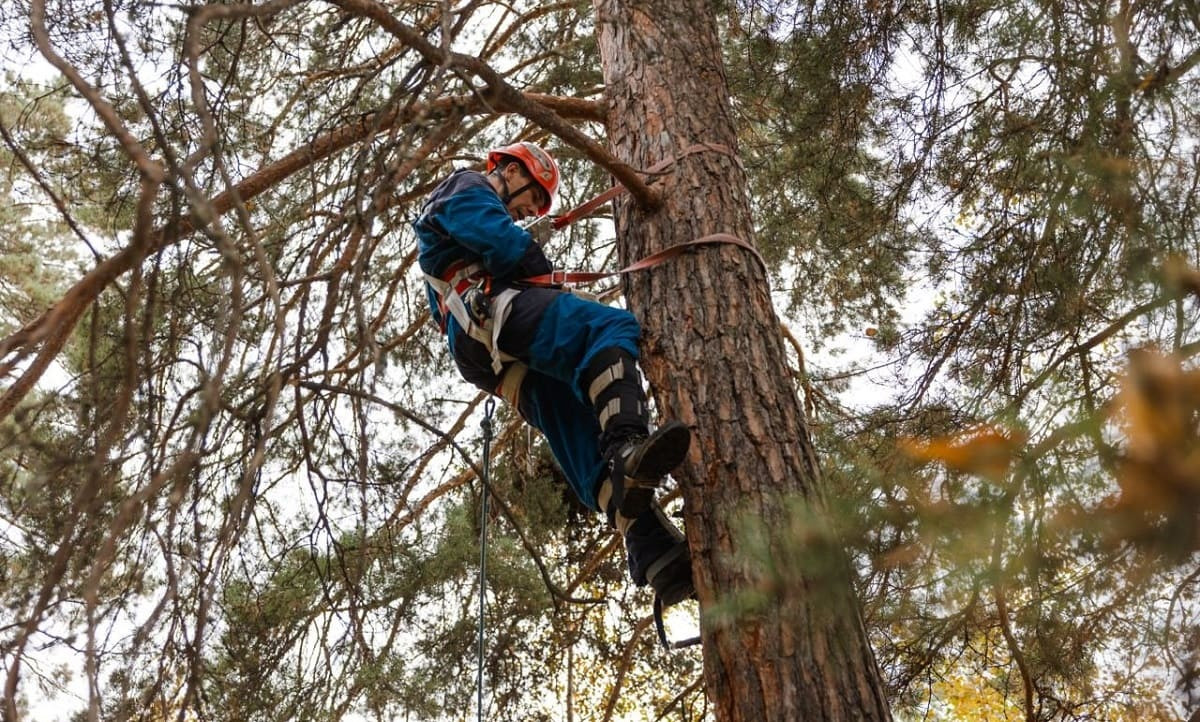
pixel 663 450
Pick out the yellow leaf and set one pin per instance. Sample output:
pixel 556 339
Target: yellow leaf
pixel 987 451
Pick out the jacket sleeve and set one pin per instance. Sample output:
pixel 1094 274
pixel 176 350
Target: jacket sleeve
pixel 475 218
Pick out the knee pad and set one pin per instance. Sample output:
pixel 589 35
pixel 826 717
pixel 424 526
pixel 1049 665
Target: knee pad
pixel 614 386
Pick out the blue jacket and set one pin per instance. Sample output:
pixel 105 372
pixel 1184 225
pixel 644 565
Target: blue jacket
pixel 464 220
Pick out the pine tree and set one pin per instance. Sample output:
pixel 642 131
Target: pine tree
pixel 717 359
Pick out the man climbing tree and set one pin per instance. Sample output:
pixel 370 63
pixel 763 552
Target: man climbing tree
pixel 568 364
pixel 710 345
pixel 234 476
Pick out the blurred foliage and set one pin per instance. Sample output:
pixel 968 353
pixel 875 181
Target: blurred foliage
pixel 984 217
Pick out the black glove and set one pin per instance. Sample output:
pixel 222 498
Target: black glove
pixel 533 263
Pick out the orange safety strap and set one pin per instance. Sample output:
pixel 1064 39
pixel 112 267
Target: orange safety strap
pixel 589 207
pixel 557 278
pixel 457 286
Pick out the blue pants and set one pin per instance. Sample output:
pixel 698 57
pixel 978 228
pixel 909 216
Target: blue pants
pixel 557 335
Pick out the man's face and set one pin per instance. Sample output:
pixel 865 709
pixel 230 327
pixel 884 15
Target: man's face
pixel 526 203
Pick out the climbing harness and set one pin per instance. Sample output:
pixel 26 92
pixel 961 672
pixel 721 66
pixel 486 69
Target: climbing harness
pixel 484 490
pixel 453 285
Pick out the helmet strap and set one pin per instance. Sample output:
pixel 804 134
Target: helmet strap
pixel 518 192
pixel 508 195
pixel 505 196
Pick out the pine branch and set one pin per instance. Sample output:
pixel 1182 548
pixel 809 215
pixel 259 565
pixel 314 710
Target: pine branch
pixel 498 91
pixel 54 326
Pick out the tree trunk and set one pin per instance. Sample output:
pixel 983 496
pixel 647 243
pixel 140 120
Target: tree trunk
pixel 713 352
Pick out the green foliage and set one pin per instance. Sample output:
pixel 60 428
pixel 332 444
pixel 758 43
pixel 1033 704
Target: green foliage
pixel 32 253
pixel 245 480
pixel 1032 172
pixel 805 83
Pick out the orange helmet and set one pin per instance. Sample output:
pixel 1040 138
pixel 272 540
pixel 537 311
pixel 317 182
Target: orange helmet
pixel 538 163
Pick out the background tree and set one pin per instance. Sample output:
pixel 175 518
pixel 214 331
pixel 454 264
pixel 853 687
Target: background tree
pixel 238 475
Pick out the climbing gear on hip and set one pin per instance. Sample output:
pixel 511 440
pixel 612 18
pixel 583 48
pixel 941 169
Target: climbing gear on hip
pixel 470 279
pixel 477 303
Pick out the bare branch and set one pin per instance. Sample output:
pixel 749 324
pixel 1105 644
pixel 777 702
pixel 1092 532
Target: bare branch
pixel 502 94
pixel 53 327
pixel 147 166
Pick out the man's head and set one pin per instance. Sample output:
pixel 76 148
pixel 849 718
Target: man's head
pixel 525 176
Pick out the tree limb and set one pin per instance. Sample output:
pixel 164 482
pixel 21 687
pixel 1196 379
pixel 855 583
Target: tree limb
pixel 54 326
pixel 502 94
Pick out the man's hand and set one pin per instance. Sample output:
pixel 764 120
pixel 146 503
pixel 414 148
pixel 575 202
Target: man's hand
pixel 541 231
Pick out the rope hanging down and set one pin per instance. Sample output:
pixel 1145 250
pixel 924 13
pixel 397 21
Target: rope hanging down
pixel 484 488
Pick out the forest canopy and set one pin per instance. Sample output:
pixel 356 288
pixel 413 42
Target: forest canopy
pixel 239 475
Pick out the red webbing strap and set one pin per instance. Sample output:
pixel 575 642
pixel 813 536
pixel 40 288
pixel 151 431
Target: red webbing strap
pixel 587 208
pixel 654 259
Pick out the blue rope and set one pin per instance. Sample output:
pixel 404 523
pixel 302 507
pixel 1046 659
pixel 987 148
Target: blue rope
pixel 485 485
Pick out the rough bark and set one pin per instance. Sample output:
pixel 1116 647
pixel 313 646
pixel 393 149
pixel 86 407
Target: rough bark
pixel 714 355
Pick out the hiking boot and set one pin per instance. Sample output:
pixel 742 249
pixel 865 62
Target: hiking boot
pixel 638 465
pixel 658 555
